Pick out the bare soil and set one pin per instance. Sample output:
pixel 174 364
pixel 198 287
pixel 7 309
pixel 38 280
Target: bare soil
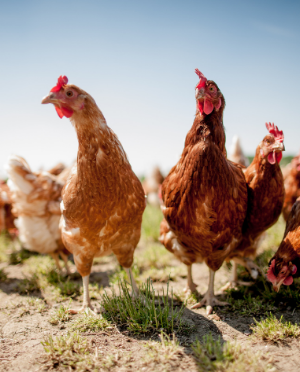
pixel 23 329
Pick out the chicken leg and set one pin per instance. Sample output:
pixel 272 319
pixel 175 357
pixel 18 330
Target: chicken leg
pixel 249 265
pixel 191 286
pixel 209 298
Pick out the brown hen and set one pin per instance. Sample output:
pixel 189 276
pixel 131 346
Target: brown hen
pixel 103 200
pixel 265 200
pixel 292 185
pixel 285 264
pixel 204 195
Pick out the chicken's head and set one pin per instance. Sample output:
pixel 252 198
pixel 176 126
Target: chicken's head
pixel 281 272
pixel 208 95
pixel 66 98
pixel 272 145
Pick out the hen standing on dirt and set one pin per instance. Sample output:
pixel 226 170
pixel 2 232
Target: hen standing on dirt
pixel 204 195
pixel 265 200
pixel 103 200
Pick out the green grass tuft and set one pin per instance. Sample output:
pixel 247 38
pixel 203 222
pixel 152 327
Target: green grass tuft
pixel 61 314
pixel 215 356
pixel 146 313
pixel 275 330
pixel 89 322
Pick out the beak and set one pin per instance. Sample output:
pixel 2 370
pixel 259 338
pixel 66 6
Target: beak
pixel 279 146
pixel 199 93
pixel 51 98
pixel 277 285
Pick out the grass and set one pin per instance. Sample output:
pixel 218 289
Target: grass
pixel 67 351
pixel 90 323
pixel 152 218
pixel 146 313
pixel 42 276
pixel 72 352
pixel 216 356
pixel 275 330
pixel 61 314
pixel 167 351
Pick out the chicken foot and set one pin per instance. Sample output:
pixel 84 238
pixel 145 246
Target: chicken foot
pixel 209 298
pixel 86 298
pixel 253 269
pixel 191 286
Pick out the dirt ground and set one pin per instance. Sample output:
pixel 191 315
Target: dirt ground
pixel 22 329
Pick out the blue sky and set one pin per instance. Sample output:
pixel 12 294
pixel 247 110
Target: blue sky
pixel 137 59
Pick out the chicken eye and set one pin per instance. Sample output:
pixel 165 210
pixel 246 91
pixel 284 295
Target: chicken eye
pixel 211 89
pixel 69 93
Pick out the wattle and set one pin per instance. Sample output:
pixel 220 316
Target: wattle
pixel 63 111
pixel 288 281
pixel 271 158
pixel 208 106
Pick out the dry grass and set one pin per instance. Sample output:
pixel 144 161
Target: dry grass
pixel 275 330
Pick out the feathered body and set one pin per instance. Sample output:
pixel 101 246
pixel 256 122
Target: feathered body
pixel 36 198
pixel 103 200
pixel 204 195
pixel 292 185
pixel 265 196
pixel 285 264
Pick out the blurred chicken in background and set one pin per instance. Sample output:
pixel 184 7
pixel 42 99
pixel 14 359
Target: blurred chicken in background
pixel 152 186
pixel 236 153
pixel 291 175
pixel 36 203
pixel 6 216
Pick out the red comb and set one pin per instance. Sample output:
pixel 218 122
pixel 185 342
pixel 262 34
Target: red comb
pixel 61 81
pixel 278 134
pixel 202 81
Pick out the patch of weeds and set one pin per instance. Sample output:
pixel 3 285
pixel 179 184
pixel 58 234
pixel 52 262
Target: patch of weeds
pixel 186 298
pixel 37 304
pixel 69 350
pixel 167 351
pixel 213 355
pixel 3 276
pixel 275 330
pixel 72 352
pixel 18 256
pixel 146 313
pixel 28 285
pixel 61 314
pixel 89 322
pixel 152 218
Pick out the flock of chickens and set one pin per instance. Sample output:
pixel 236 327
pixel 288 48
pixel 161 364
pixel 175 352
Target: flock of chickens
pixel 215 209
